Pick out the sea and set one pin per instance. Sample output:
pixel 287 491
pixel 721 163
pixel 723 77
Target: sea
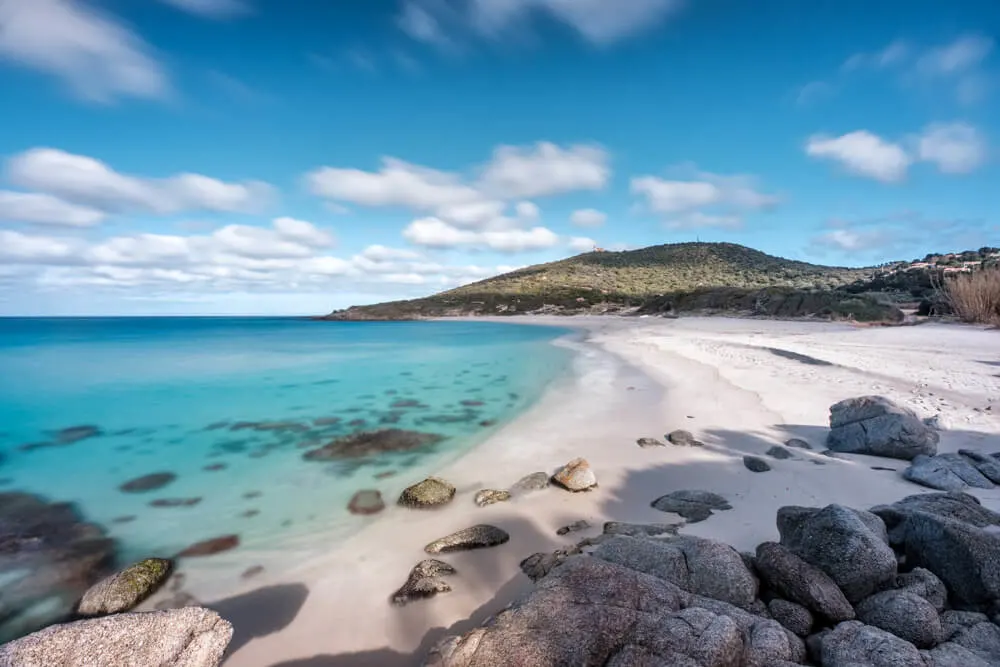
pixel 227 408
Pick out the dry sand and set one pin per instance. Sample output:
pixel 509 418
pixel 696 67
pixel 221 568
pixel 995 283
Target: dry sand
pixel 634 377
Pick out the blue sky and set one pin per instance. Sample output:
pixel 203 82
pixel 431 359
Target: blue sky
pixel 295 156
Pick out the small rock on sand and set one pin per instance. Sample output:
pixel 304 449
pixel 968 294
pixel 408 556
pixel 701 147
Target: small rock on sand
pixel 777 452
pixel 694 506
pixel 683 438
pixel 573 527
pixel 476 537
pixel 797 443
pixel 491 496
pixel 536 481
pixel 576 476
pixel 650 442
pixel 755 464
pixel 432 492
pixel 424 582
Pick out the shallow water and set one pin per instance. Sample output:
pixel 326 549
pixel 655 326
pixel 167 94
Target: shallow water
pixel 230 405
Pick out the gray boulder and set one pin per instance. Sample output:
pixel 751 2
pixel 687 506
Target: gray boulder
pixel 694 506
pixel 536 481
pixel 854 644
pixel 952 621
pixel 925 584
pixel 793 578
pixel 793 616
pixel 778 452
pixel 965 558
pixel 124 590
pixel 952 505
pixel 695 564
pixel 592 612
pixel 476 537
pixel 953 655
pixel 987 465
pixel 849 545
pixel 904 614
pixel 877 426
pixel 946 472
pixel 982 639
pixel 188 637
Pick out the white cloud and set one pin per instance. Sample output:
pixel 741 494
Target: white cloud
pixel 97 56
pixel 893 54
pixel 582 244
pixel 85 180
pixel 436 233
pixel 588 217
pixel 813 92
pixel 213 9
pixel 43 209
pixel 956 148
pixel 864 154
pixel 703 200
pixel 598 21
pixel 965 53
pixel 18 248
pixel 527 211
pixel 544 169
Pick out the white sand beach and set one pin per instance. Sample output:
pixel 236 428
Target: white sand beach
pixel 717 378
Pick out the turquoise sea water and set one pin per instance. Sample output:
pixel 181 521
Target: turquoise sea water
pixel 168 395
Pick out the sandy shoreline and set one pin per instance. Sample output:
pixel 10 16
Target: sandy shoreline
pixel 633 377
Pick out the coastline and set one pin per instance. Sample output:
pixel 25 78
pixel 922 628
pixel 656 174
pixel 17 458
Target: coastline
pixel 715 377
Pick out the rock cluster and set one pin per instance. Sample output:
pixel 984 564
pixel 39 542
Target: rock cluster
pixel 915 583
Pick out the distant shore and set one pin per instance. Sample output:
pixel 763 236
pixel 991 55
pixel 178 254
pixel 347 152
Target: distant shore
pixel 740 386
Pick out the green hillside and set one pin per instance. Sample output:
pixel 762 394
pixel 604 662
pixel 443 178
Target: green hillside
pixel 685 277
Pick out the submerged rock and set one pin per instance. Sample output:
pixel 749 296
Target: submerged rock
pixel 877 426
pixel 365 502
pixel 476 537
pixel 491 496
pixel 123 591
pixel 174 502
pixel 694 506
pixel 424 582
pixel 49 557
pixel 74 434
pixel 188 637
pixel 576 476
pixel 151 482
pixel 211 546
pixel 432 492
pixel 368 443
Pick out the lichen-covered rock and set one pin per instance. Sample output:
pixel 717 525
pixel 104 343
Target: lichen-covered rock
pixel 849 545
pixel 366 502
pixel 793 616
pixel 432 492
pixel 188 637
pixel 476 537
pixel 755 464
pixel 694 506
pixel 369 443
pixel 877 426
pixel 854 644
pixel 695 564
pixel 793 578
pixel 491 496
pixel 904 614
pixel 536 481
pixel 576 475
pixel 124 590
pixel 423 582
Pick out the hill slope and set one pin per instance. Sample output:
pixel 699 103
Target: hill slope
pixel 659 279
